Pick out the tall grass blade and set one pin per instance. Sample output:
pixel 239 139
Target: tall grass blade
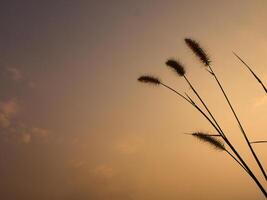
pixel 252 72
pixel 261 141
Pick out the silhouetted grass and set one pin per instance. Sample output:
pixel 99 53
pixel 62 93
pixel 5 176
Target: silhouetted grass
pixel 195 47
pixel 149 79
pixel 211 139
pixel 252 72
pixel 260 141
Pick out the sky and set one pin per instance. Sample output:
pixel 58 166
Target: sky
pixel 76 124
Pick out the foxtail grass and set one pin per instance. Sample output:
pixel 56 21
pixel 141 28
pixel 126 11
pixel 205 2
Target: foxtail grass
pixel 178 67
pixel 149 79
pixel 218 141
pixel 180 70
pixel 212 140
pixel 196 48
pixel 239 160
pixel 199 52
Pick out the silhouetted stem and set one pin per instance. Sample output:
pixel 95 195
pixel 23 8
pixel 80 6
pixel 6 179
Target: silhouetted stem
pixel 221 131
pixel 215 121
pixel 247 167
pixel 242 162
pixel 182 96
pixel 236 160
pixel 239 123
pixel 211 122
pixel 262 141
pixel 206 107
pixel 255 76
pixel 204 104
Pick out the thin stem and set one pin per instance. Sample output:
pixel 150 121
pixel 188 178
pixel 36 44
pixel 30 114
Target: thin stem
pixel 255 76
pixel 204 104
pixel 250 173
pixel 236 160
pixel 260 141
pixel 206 107
pixel 182 96
pixel 226 152
pixel 239 123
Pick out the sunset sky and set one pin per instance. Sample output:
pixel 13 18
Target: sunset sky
pixel 77 125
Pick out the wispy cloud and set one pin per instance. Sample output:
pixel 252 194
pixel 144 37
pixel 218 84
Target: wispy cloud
pixel 27 134
pixel 129 145
pixel 17 130
pixel 103 171
pixel 14 73
pixel 31 84
pixel 8 109
pixel 40 132
pixel 77 163
pixel 4 121
pixel 26 138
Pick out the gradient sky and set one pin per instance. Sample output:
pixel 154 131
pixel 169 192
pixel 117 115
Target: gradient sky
pixel 76 125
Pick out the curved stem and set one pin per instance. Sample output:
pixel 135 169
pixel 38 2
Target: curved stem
pixel 239 123
pixel 250 173
pixel 182 96
pixel 252 72
pixel 236 160
pixel 204 104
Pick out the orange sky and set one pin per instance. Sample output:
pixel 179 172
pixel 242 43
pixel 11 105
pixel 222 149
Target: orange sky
pixel 76 124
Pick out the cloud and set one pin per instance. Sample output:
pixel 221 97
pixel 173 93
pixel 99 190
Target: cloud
pixel 8 109
pixel 32 134
pixel 103 171
pixel 40 132
pixel 15 74
pixel 129 145
pixel 31 84
pixel 126 148
pixel 19 131
pixel 4 121
pixel 26 138
pixel 77 164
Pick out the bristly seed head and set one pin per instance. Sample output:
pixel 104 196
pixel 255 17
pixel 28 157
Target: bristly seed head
pixel 149 79
pixel 176 66
pixel 217 144
pixel 194 46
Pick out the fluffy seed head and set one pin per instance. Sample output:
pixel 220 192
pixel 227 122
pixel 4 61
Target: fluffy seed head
pixel 149 79
pixel 199 52
pixel 176 66
pixel 217 144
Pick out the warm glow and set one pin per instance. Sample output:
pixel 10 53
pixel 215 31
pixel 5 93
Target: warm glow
pixel 77 125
